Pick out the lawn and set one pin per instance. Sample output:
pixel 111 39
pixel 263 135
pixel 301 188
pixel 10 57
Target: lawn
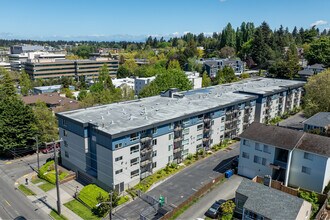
pixel 123 199
pixel 47 172
pixel 81 210
pixel 36 180
pixel 90 193
pixel 26 190
pixel 46 186
pixel 55 216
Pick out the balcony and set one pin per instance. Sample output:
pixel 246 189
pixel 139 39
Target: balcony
pixel 146 150
pixel 178 139
pixel 178 128
pixel 176 150
pixel 145 162
pixel 229 112
pixel 145 174
pixel 207 120
pixel 146 139
pixel 279 164
pixel 206 139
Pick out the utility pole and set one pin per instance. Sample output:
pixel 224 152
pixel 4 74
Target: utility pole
pixel 37 153
pixel 57 184
pixel 110 214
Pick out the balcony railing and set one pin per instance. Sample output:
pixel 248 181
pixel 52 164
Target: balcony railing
pixel 145 162
pixel 178 139
pixel 178 128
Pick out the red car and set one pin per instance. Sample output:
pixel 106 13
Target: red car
pixel 50 148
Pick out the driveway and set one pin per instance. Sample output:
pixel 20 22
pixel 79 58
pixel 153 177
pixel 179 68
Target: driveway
pixel 294 122
pixel 223 191
pixel 183 184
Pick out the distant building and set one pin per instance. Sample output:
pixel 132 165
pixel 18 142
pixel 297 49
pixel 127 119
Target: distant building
pixel 4 53
pixel 55 101
pixel 142 82
pixel 18 49
pixel 296 158
pixel 141 62
pixel 212 66
pixel 319 122
pixel 49 89
pixel 195 79
pixel 257 201
pixel 119 83
pixel 311 70
pixel 5 65
pixel 52 68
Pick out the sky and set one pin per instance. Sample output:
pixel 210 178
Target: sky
pixel 136 19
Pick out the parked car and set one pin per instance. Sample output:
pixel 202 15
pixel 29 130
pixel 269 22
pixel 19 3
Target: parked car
pixel 50 148
pixel 214 210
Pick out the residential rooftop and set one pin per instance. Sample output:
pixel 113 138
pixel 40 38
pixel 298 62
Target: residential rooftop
pixel 268 202
pixel 321 119
pixel 143 113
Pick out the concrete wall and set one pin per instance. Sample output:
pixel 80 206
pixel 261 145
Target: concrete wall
pixel 305 211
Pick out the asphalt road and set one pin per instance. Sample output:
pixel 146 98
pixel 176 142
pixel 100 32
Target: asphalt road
pixel 294 122
pixel 183 184
pixel 12 202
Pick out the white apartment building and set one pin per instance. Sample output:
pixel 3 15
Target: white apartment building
pixel 142 82
pixel 119 144
pixel 296 158
pixel 5 65
pixel 195 79
pixel 119 83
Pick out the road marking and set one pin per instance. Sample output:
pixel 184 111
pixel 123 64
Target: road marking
pixel 8 162
pixel 7 202
pixel 194 189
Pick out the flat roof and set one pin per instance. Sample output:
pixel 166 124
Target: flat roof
pixel 48 87
pixel 121 117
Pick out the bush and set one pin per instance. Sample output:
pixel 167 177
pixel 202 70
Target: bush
pixel 312 198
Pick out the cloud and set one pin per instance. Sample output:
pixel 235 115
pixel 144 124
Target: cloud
pixel 176 33
pixel 318 23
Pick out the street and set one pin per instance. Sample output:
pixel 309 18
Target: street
pixel 183 184
pixel 14 203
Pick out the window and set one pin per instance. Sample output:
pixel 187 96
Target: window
pixel 222 119
pixel 170 147
pixel 119 171
pixel 118 158
pixel 134 173
pixel 185 152
pixel 257 159
pixel 154 142
pixel 135 149
pixel 65 144
pixel 117 146
pixel 170 136
pixel 64 122
pixel 308 156
pixel 306 170
pixel 246 143
pixel 134 136
pixel 154 130
pixel 258 148
pixel 143 132
pixel 266 149
pixel 185 131
pixel 222 128
pixel 171 126
pixel 212 122
pixel 264 161
pixel 154 153
pixel 65 133
pixel 186 121
pixel 66 154
pixel 170 158
pixel 154 164
pixel 199 137
pixel 198 146
pixel 200 117
pixel 199 127
pixel 135 161
pixel 246 155
pixel 186 141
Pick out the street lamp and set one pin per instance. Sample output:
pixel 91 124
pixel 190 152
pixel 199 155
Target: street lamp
pixel 110 214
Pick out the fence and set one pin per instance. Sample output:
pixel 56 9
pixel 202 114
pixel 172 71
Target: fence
pixel 193 197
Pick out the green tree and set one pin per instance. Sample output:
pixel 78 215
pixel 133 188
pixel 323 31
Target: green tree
pixel 174 64
pixel 103 72
pixel 123 72
pixel 206 81
pixel 7 88
pixel 319 51
pixel 82 95
pixel 227 52
pixel 46 122
pixel 25 83
pixel 317 94
pixel 226 75
pixel 131 66
pixel 227 209
pixel 104 204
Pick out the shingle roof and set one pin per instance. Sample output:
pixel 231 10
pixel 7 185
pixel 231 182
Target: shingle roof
pixel 320 119
pixel 306 72
pixel 288 139
pixel 317 66
pixel 272 135
pixel 269 202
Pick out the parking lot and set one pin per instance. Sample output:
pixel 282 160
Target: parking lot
pixel 223 191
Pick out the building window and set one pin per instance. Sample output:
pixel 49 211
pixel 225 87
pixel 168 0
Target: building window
pixel 154 142
pixel 200 117
pixel 170 158
pixel 264 161
pixel 135 161
pixel 154 153
pixel 170 147
pixel 118 158
pixel 65 133
pixel 306 170
pixel 185 131
pixel 199 127
pixel 134 136
pixel 246 143
pixel 170 136
pixel 186 141
pixel 154 130
pixel 66 154
pixel 135 149
pixel 154 164
pixel 308 156
pixel 246 155
pixel 134 173
pixel 258 148
pixel 199 137
pixel 117 146
pixel 212 122
pixel 65 144
pixel 222 119
pixel 119 171
pixel 64 122
pixel 257 159
pixel 186 121
pixel 143 132
pixel 171 126
pixel 266 149
pixel 222 128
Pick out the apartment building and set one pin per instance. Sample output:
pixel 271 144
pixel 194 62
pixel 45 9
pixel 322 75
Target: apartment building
pixel 319 123
pixel 54 68
pixel 296 158
pixel 5 65
pixel 212 66
pixel 142 82
pixel 195 79
pixel 119 144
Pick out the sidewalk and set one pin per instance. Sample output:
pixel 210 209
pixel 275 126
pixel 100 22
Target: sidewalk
pixel 48 200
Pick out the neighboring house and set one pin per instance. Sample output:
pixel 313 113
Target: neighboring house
pixel 121 143
pixel 257 201
pixel 119 83
pixel 5 65
pixel 54 101
pixel 319 122
pixel 142 82
pixel 311 70
pixel 49 89
pixel 195 79
pixel 212 66
pixel 296 158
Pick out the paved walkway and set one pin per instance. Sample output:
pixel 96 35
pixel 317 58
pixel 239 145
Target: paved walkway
pixel 47 201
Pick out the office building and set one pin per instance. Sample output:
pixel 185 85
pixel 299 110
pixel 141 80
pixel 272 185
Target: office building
pixel 296 158
pixel 5 65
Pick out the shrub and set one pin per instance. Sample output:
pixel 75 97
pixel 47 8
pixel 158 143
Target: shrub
pixel 312 198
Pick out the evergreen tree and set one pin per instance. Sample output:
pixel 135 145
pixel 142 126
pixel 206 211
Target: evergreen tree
pixel 7 88
pixel 25 83
pixel 206 81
